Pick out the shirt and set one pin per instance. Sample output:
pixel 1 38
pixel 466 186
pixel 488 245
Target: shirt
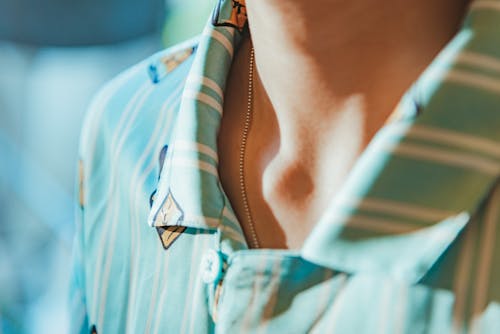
pixel 409 244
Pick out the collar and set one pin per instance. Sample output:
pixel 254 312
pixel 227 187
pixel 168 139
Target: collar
pixel 410 194
pixel 189 190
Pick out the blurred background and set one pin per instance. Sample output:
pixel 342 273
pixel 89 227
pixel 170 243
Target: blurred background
pixel 54 56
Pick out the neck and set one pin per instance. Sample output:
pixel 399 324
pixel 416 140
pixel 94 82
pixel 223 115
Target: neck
pixel 341 58
pixel 329 72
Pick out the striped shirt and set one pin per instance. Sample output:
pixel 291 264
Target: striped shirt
pixel 411 243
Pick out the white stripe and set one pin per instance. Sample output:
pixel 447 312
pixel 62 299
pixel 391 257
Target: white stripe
pixel 138 180
pixel 135 232
pixel 229 215
pixel 323 298
pixel 401 209
pixel 372 224
pixel 253 306
pixel 131 106
pixel 98 108
pixel 462 278
pixel 441 156
pixel 194 309
pixel 222 39
pixel 111 238
pixel 202 220
pixel 401 318
pixel 205 98
pixel 479 60
pixel 396 129
pixel 485 4
pixel 207 82
pixel 109 255
pixel 154 295
pixel 196 147
pixel 381 225
pixel 406 210
pixel 127 109
pixel 473 79
pixel 274 287
pixel 487 245
pixel 232 219
pixel 164 273
pixel 193 281
pixel 384 306
pixel 208 28
pixel 454 138
pixel 233 232
pixel 127 120
pixel 234 235
pixel 229 30
pixel 335 311
pixel 196 164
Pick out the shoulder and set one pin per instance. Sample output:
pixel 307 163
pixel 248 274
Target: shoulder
pixel 138 94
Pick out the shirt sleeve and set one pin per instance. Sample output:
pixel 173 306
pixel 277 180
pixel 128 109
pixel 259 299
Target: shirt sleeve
pixel 78 297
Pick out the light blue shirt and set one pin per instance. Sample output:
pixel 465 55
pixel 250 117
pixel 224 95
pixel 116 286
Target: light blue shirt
pixel 409 245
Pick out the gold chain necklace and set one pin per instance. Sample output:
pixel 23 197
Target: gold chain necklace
pixel 254 241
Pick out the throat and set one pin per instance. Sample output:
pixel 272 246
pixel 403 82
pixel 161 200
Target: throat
pixel 291 168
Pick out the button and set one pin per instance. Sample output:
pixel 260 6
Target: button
pixel 211 267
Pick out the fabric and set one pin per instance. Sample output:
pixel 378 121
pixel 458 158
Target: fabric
pixel 409 245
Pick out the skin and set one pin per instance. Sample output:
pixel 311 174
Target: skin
pixel 328 75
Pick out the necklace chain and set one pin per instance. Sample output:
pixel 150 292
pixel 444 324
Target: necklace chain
pixel 248 119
